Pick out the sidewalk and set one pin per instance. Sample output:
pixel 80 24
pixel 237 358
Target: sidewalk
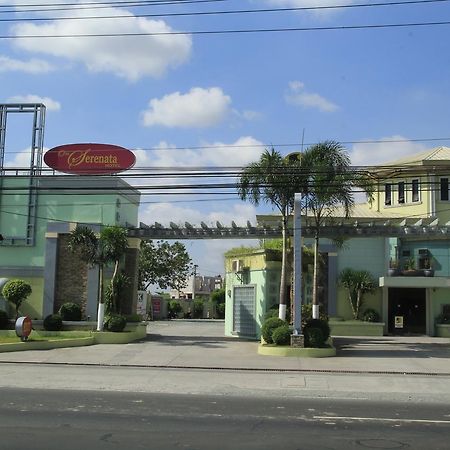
pixel 201 345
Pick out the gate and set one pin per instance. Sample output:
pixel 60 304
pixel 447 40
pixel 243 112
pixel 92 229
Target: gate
pixel 244 323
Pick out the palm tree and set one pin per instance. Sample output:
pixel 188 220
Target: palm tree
pixel 330 185
pixel 273 180
pixel 358 283
pixel 98 250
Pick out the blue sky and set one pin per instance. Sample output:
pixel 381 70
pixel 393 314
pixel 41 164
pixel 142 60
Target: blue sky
pixel 152 94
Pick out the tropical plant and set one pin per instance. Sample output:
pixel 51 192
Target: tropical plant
pixel 274 180
pixel 330 185
pixel 358 283
pixel 409 264
pixel 163 264
pixel 16 291
pixel 114 293
pixel 99 250
pixel 370 315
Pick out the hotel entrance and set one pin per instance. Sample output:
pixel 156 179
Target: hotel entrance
pixel 407 311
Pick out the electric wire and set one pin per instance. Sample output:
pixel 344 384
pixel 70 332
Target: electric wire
pixel 223 12
pixel 229 31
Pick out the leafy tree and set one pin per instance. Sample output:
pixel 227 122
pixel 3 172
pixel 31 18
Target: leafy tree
pixel 274 180
pixel 218 296
pixel 358 283
pixel 99 250
pixel 166 265
pixel 330 185
pixel 16 291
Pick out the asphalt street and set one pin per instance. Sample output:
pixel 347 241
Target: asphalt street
pixel 52 420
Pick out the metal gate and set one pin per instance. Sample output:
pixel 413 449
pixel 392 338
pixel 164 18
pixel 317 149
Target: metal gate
pixel 244 320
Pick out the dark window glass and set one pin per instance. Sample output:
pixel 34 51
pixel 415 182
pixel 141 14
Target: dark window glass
pixel 415 190
pixel 387 194
pixel 444 188
pixel 401 192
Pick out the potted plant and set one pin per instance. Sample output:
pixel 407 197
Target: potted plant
pixel 428 270
pixel 393 270
pixel 409 268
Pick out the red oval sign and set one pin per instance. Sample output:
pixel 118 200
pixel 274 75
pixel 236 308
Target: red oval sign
pixel 90 159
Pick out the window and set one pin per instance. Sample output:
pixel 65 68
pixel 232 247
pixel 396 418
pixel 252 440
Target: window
pixel 444 188
pixel 401 192
pixel 415 190
pixel 387 194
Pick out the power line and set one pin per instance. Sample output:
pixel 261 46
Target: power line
pixel 223 12
pixel 275 145
pixel 229 31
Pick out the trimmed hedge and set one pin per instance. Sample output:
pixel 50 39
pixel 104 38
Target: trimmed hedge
pixel 282 335
pixel 53 322
pixel 4 320
pixel 269 326
pixel 70 311
pixel 115 323
pixel 314 337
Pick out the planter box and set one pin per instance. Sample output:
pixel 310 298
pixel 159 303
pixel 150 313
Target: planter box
pixel 356 328
pixel 443 330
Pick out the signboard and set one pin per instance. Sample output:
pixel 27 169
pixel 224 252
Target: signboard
pixel 398 321
pixel 156 304
pixel 23 327
pixel 89 159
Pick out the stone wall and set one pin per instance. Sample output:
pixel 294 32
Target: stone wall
pixel 71 277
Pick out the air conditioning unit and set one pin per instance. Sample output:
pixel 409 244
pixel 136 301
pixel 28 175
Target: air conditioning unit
pixel 237 265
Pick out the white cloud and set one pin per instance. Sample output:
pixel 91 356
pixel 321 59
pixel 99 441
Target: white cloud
pixel 52 105
pixel 166 212
pixel 130 57
pixel 318 13
pixel 297 95
pixel 198 108
pixel 33 66
pixel 383 152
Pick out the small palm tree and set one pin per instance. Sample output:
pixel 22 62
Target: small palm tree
pixel 273 180
pixel 98 250
pixel 330 185
pixel 358 283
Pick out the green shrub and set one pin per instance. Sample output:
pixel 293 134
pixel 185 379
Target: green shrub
pixel 268 326
pixel 318 323
pixel 16 291
pixel 53 322
pixel 198 309
pixel 307 314
pixel 314 337
pixel 4 320
pixel 370 315
pixel 70 311
pixel 134 318
pixel 271 313
pixel 115 322
pixel 174 308
pixel 282 335
pixel 220 310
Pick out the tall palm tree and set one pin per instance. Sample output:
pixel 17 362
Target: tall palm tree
pixel 330 185
pixel 273 180
pixel 98 250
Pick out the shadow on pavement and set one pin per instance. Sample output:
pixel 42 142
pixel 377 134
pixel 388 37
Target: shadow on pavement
pixel 388 348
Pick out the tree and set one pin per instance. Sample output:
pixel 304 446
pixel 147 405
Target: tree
pixel 99 250
pixel 166 265
pixel 274 180
pixel 358 283
pixel 330 185
pixel 16 291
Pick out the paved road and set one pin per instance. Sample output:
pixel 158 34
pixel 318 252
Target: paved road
pixel 51 420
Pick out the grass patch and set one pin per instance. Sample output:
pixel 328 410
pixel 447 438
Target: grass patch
pixel 11 338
